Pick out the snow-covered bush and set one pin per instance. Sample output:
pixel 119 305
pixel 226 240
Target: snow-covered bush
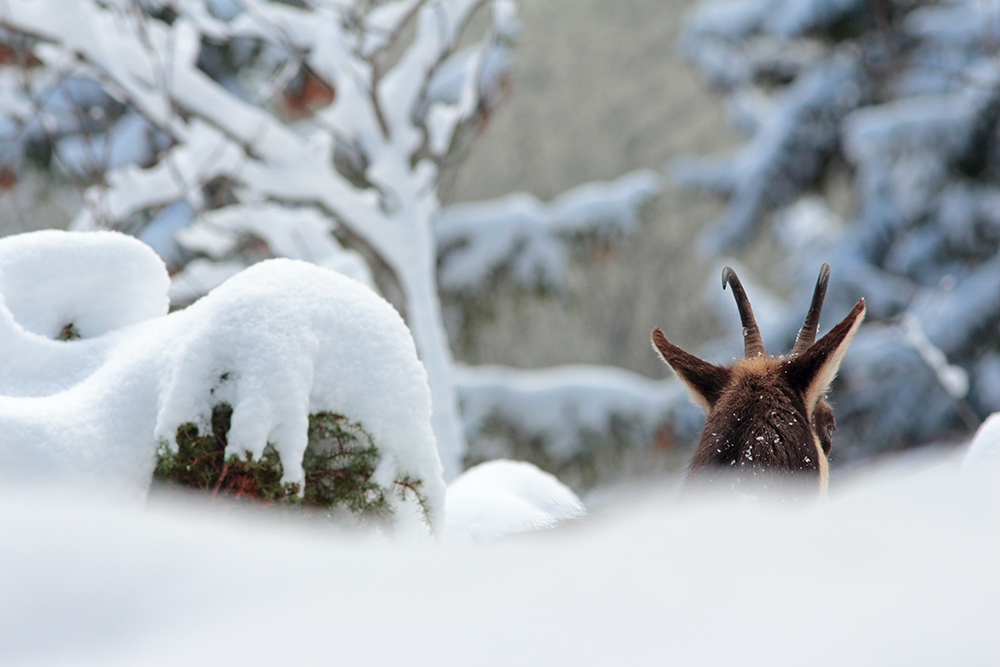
pixel 901 101
pixel 222 133
pixel 338 465
pixel 281 347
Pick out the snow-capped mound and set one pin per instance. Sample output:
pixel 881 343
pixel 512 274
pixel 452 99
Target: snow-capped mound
pixel 93 282
pixel 503 497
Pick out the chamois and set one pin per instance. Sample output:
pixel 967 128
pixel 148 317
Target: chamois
pixel 765 416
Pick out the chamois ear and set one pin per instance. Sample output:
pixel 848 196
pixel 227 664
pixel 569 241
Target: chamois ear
pixel 812 371
pixel 704 381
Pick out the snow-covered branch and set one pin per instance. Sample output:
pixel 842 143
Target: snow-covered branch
pixel 568 416
pixel 787 153
pixel 530 238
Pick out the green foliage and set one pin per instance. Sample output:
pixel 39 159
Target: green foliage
pixel 339 462
pixel 68 332
pixel 200 462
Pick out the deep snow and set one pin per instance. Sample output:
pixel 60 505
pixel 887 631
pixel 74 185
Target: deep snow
pixel 899 567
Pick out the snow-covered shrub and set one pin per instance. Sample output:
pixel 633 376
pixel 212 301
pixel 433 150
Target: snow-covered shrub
pixel 901 101
pixel 339 465
pixel 284 345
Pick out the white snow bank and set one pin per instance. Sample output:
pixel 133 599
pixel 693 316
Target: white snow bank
pixel 502 497
pixel 277 342
pixel 897 568
pixel 984 450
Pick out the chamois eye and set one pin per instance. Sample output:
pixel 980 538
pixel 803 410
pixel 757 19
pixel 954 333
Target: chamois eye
pixel 830 428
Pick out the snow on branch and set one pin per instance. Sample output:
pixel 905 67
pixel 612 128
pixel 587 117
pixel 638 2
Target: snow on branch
pixel 295 233
pixel 737 42
pixel 531 238
pixel 786 155
pixel 568 411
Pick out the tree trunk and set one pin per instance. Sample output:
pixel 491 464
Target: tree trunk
pixel 423 308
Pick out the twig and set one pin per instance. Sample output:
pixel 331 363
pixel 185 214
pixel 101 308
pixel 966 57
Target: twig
pixel 222 476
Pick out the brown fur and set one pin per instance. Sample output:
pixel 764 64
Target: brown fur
pixel 765 416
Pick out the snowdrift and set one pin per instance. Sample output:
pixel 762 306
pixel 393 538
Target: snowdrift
pixel 898 568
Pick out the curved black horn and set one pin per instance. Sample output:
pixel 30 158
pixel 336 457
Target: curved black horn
pixel 807 334
pixel 753 346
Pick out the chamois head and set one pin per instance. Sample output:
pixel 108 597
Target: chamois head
pixel 765 416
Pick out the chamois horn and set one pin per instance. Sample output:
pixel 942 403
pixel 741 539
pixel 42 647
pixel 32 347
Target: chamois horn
pixel 807 334
pixel 753 346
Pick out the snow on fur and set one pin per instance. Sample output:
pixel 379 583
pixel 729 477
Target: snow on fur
pixel 277 342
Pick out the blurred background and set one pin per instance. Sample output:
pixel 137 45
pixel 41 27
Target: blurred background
pixel 770 135
pixel 600 89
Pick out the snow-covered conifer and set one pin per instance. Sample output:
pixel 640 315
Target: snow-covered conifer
pixel 900 100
